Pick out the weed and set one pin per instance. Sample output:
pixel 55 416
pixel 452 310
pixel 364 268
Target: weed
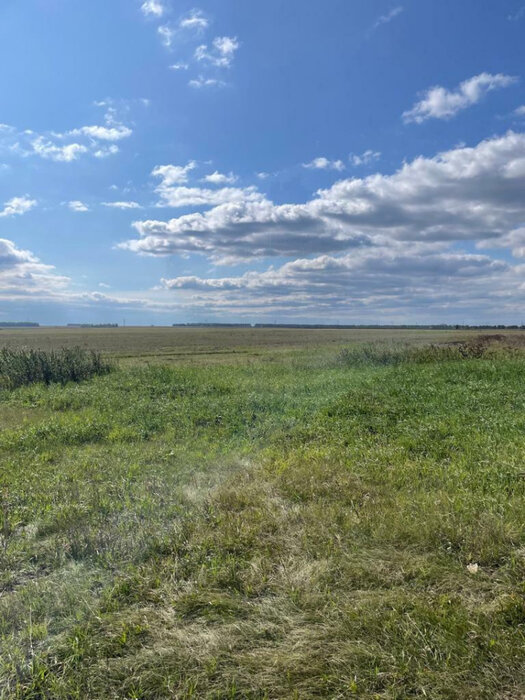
pixel 28 366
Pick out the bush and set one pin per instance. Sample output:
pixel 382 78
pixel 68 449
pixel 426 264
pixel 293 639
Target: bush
pixel 24 366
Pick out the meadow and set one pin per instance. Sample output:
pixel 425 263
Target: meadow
pixel 265 514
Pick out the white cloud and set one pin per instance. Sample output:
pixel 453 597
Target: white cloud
pixel 225 45
pixel 77 205
pixel 25 280
pixel 68 146
pixel 122 205
pixel 520 111
pixel 221 54
pixel 153 7
pixel 202 82
pixel 365 158
pixel 323 163
pixel 174 174
pixel 387 280
pixel 167 34
pixel 194 20
pixel 179 66
pixel 263 175
pixel 173 194
pixel 217 178
pixel 204 197
pixel 467 193
pixel 389 16
pixel 22 275
pixel 51 151
pixel 397 282
pixel 18 206
pixel 103 133
pixel 440 103
pixel 106 151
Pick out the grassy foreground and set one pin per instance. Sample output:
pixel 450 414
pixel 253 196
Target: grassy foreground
pixel 323 525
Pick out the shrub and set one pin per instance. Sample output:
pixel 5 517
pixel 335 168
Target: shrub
pixel 25 366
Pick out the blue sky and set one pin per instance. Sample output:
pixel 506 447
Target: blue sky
pixel 342 161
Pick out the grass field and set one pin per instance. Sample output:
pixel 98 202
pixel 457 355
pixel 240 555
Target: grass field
pixel 207 345
pixel 265 514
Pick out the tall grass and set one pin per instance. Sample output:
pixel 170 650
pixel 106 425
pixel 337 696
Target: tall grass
pixel 384 354
pixel 19 367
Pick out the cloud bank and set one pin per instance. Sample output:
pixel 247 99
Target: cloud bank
pixel 465 194
pixel 394 245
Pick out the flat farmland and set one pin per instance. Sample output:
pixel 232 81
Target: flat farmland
pixel 262 514
pixel 172 344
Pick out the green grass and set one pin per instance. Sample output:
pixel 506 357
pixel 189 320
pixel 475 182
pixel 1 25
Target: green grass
pixel 22 366
pixel 299 527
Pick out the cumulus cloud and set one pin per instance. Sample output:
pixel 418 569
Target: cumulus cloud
pixel 210 57
pixel 44 148
pixel 243 226
pixel 217 178
pixel 520 111
pixel 103 133
pixel 467 193
pixel 17 206
pixel 77 205
pixel 173 193
pixel 440 103
pixel 23 275
pixel 174 174
pixel 27 280
pixel 323 163
pixel 153 7
pixel 392 282
pixel 221 53
pixel 204 197
pixel 68 146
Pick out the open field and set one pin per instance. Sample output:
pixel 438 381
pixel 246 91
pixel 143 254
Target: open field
pixel 266 514
pixel 205 345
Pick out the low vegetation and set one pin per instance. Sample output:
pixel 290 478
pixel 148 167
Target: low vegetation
pixel 29 366
pixel 395 353
pixel 334 524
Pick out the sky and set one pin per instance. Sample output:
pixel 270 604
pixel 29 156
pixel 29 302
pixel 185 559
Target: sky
pixel 289 161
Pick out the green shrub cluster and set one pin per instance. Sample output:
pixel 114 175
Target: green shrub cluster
pixel 19 367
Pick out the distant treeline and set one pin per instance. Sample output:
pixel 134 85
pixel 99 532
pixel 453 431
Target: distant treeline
pixel 18 324
pixel 92 325
pixel 212 325
pixel 434 327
